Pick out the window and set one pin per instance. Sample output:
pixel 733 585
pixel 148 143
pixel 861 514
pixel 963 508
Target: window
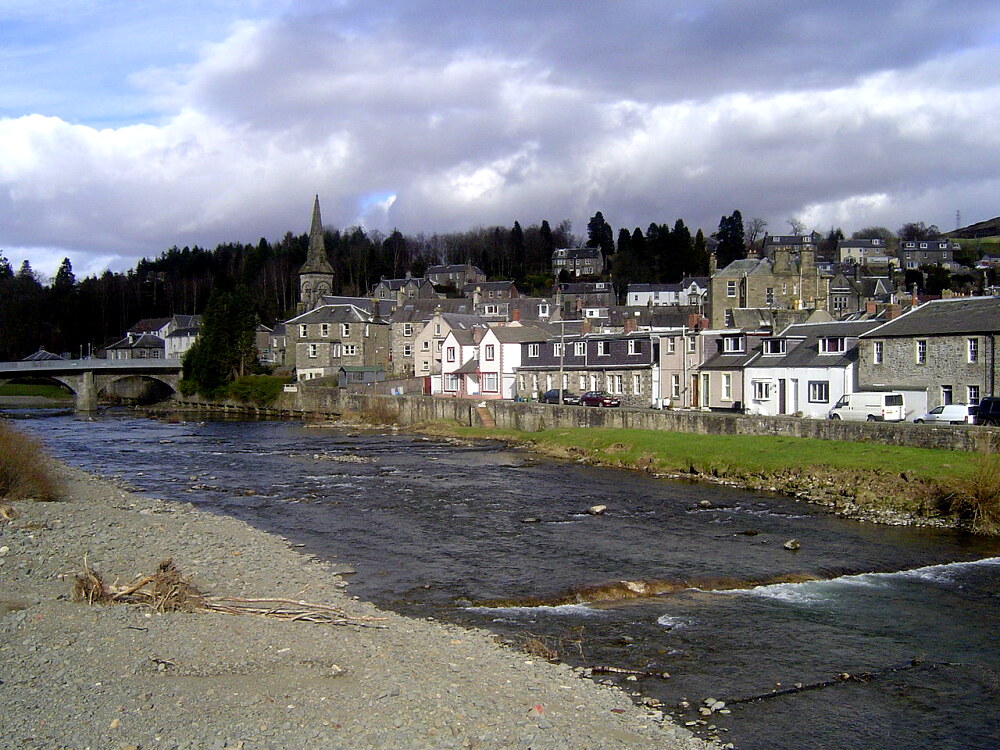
pixel 769 296
pixel 425 346
pixel 972 392
pixel 335 351
pixel 451 383
pixel 303 331
pixel 762 390
pixel 324 329
pixel 921 352
pixel 565 381
pixel 832 345
pixel 489 352
pixel 592 312
pixel 345 329
pixel 534 382
pixel 637 384
pixel 490 382
pixel 558 350
pixel 451 354
pixel 350 350
pixel 313 350
pixel 583 382
pixel 729 321
pixel 819 392
pixel 437 329
pixel 727 386
pixel 634 347
pixel 947 394
pixel 533 350
pixel 732 344
pixel 407 329
pixel 731 288
pixel 543 311
pixel 603 348
pixel 973 350
pixel 675 386
pixel 692 344
pixel 407 350
pixel 491 309
pixel 774 346
pixel 580 348
pixel 425 365
pixel 876 352
pixel 671 345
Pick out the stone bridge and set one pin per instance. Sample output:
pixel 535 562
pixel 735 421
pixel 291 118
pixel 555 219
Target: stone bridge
pixel 87 378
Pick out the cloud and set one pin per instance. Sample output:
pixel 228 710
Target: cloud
pixel 647 112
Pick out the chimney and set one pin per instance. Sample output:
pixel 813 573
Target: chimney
pixel 892 311
pixel 477 334
pixel 713 264
pixel 477 296
pixel 631 324
pixel 586 327
pixel 870 307
pixel 694 321
pixel 516 315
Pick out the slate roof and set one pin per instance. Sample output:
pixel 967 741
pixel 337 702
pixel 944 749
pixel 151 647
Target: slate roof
pixel 396 284
pixel 945 317
pixel 179 332
pixel 745 267
pixel 457 268
pixel 520 334
pixel 423 310
pixel 735 360
pixel 42 356
pixel 487 286
pixel 806 352
pixel 334 314
pixel 148 325
pixel 145 341
pixel 380 307
pixel 461 322
pixel 470 367
pixel 464 336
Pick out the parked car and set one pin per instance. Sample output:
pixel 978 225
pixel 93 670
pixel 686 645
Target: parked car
pixel 870 406
pixel 989 411
pixel 950 414
pixel 552 397
pixel 599 398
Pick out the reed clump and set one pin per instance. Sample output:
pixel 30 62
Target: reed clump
pixel 25 468
pixel 977 499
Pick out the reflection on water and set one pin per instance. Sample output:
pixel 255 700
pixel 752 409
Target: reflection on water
pixel 439 529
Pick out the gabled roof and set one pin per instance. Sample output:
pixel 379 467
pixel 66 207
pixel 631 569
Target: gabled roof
pixel 334 314
pixel 577 252
pixel 806 353
pixel 745 267
pixel 145 341
pixel 463 322
pixel 457 268
pixel 396 284
pixel 944 317
pixel 520 334
pixel 422 310
pixel 379 307
pixel 470 367
pixel 148 325
pixel 42 356
pixel 634 288
pixel 487 286
pixel 181 332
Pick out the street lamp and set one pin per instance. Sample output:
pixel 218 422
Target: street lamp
pixel 562 355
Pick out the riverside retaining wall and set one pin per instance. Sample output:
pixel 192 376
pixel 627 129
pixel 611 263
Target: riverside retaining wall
pixel 325 402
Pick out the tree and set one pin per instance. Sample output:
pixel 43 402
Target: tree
pixel 517 252
pixel 6 272
pixel 754 230
pixel 600 234
pixel 795 225
pixel 700 255
pixel 225 346
pixel 828 247
pixel 874 233
pixel 64 280
pixel 732 245
pixel 917 230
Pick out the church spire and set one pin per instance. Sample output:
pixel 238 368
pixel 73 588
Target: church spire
pixel 316 260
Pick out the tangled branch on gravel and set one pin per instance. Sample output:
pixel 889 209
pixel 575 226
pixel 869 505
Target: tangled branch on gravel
pixel 168 590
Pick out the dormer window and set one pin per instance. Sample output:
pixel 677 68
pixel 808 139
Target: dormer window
pixel 832 345
pixel 774 346
pixel 733 345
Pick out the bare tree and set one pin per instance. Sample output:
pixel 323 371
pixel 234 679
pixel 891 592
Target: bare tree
pixel 754 229
pixel 796 226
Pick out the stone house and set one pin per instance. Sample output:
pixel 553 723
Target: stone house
pixel 573 297
pixel 490 370
pixel 941 352
pixel 865 252
pixel 454 275
pixel 624 364
pixel 524 309
pixel 791 281
pixel 403 289
pixel 804 370
pixel 321 341
pixel 407 322
pixel 490 290
pixel 578 261
pixel 916 253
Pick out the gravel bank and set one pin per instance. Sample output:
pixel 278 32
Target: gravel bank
pixel 75 676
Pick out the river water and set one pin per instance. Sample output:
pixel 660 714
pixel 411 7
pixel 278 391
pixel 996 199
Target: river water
pixel 472 533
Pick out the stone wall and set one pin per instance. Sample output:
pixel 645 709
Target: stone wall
pixel 532 417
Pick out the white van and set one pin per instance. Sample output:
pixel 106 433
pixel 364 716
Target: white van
pixel 871 406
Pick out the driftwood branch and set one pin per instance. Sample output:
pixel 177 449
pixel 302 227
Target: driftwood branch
pixel 636 672
pixel 167 590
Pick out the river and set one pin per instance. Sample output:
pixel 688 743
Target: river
pixel 462 532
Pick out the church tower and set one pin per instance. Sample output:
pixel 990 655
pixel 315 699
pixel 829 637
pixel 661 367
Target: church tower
pixel 316 274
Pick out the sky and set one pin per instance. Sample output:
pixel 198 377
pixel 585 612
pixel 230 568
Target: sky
pixel 131 126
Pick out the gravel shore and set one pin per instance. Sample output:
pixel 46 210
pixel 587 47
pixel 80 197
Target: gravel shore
pixel 121 676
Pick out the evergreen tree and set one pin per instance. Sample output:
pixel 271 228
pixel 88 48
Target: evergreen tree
pixel 600 234
pixel 732 245
pixel 225 346
pixel 64 280
pixel 700 255
pixel 517 252
pixel 6 272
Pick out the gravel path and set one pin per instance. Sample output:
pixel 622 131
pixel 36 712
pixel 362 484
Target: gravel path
pixel 78 676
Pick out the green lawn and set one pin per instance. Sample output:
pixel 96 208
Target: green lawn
pixel 738 455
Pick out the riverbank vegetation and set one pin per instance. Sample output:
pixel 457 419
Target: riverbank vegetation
pixel 25 470
pixel 37 390
pixel 891 484
pixel 258 390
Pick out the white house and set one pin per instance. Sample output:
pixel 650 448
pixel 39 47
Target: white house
pixel 690 291
pixel 804 370
pixel 487 367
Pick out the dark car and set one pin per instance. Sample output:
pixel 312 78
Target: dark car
pixel 989 411
pixel 599 398
pixel 552 397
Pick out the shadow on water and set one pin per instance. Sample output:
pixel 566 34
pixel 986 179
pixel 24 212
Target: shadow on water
pixel 695 579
